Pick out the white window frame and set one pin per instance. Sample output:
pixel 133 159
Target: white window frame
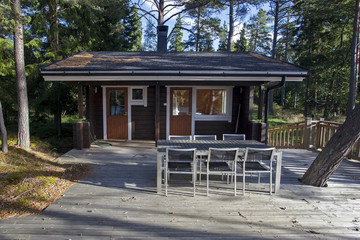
pixel 228 99
pixel 141 102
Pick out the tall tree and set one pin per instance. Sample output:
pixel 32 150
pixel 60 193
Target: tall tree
pixel 223 38
pixel 206 27
pixel 334 152
pixel 323 39
pixel 21 86
pixel 4 144
pixel 241 45
pixel 176 43
pixel 259 33
pixel 149 37
pixel 354 60
pixel 278 14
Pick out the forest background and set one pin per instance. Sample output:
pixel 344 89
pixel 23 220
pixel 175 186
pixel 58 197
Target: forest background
pixel 315 34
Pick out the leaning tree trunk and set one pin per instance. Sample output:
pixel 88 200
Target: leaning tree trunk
pixel 334 152
pixel 22 97
pixel 3 132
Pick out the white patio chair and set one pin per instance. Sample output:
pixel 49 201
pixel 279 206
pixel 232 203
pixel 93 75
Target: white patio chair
pixel 257 160
pixel 221 161
pixel 202 158
pixel 204 137
pixel 227 136
pixel 180 161
pixel 180 137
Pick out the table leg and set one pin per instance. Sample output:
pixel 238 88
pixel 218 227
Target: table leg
pixel 278 171
pixel 159 169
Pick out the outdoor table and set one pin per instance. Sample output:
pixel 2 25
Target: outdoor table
pixel 202 149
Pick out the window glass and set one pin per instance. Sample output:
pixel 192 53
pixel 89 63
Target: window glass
pixel 211 102
pixel 117 102
pixel 137 94
pixel 181 102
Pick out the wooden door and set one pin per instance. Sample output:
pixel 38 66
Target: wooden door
pixel 180 111
pixel 117 113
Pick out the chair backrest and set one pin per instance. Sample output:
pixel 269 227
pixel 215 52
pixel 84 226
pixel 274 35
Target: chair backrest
pixel 259 154
pixel 223 154
pixel 180 137
pixel 205 137
pixel 234 136
pixel 181 155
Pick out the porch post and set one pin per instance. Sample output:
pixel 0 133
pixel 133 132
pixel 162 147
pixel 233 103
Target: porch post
pixel 261 102
pixel 80 102
pixel 157 112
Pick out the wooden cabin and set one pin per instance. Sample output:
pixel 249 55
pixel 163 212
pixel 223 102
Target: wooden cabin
pixel 151 95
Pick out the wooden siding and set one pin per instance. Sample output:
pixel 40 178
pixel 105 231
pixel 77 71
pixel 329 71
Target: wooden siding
pixel 95 110
pixel 143 118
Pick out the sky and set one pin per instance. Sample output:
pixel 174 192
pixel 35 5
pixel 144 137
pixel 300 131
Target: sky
pixel 223 16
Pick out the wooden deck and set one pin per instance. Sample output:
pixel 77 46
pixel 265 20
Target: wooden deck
pixel 119 201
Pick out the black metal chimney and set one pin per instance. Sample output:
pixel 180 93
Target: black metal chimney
pixel 162 32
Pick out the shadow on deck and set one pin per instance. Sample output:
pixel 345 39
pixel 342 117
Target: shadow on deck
pixel 119 201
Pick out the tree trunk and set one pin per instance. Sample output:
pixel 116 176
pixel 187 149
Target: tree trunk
pixel 3 132
pixel 273 54
pixel 22 97
pixel 197 47
pixel 54 29
pixel 334 152
pixel 231 26
pixel 354 64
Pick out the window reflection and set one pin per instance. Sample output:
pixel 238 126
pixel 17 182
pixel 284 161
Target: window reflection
pixel 181 103
pixel 117 102
pixel 211 102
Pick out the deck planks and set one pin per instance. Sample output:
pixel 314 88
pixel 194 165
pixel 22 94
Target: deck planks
pixel 119 201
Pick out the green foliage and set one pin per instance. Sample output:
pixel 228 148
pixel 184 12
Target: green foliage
pixel 259 33
pixel 223 35
pixel 323 39
pixel 150 37
pixel 176 43
pixel 205 29
pixel 241 45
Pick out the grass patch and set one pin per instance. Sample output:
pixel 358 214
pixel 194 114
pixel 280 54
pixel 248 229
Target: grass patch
pixel 31 180
pixel 281 116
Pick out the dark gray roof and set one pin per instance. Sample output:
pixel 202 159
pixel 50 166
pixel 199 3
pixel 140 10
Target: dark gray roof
pixel 172 61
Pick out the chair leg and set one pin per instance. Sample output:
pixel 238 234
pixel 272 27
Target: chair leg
pixel 270 182
pixel 207 184
pixel 166 181
pixel 234 184
pixel 243 182
pixel 194 180
pixel 200 171
pixel 259 176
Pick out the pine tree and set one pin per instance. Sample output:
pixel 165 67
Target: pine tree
pixel 176 44
pixel 223 37
pixel 241 45
pixel 149 37
pixel 259 33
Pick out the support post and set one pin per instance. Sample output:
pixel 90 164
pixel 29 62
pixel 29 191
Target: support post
pixel 157 113
pixel 261 102
pixel 80 102
pixel 307 133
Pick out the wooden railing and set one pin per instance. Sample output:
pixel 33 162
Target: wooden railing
pixel 307 134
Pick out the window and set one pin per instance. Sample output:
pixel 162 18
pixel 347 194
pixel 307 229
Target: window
pixel 213 104
pixel 117 102
pixel 139 96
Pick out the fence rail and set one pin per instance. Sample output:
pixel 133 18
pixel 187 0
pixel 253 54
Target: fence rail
pixel 307 134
